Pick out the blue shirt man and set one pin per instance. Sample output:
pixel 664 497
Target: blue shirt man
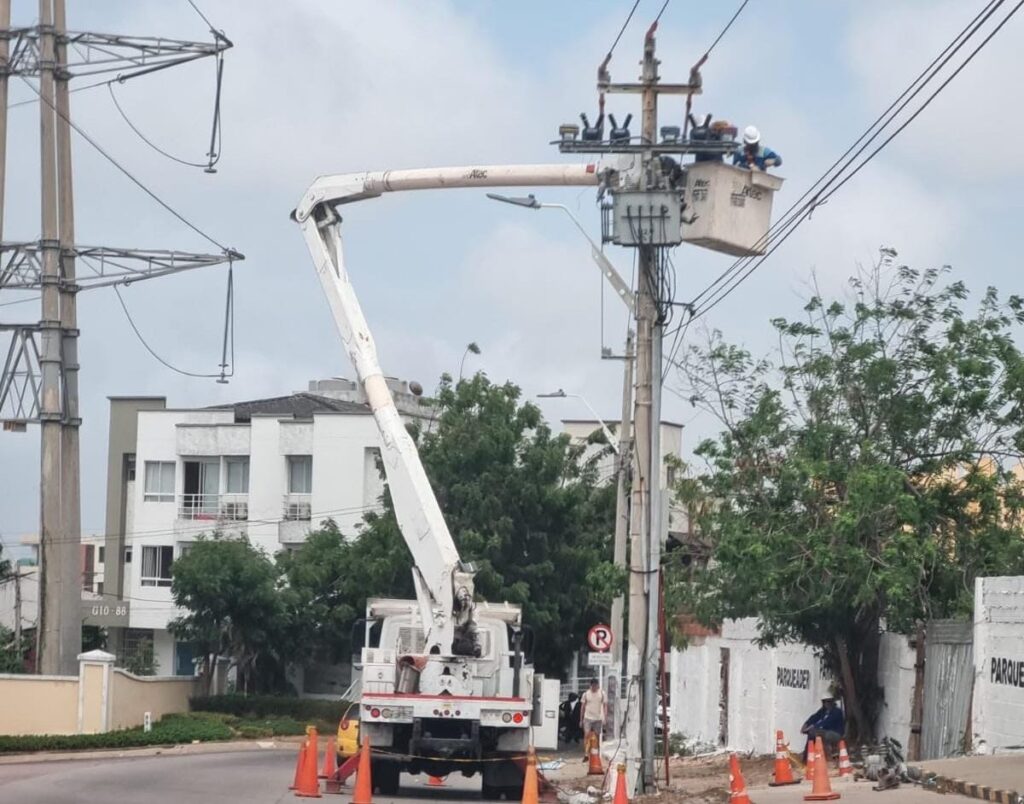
pixel 828 723
pixel 753 154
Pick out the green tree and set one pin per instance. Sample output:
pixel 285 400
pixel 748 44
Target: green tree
pixel 12 652
pixel 523 504
pixel 863 477
pixel 229 590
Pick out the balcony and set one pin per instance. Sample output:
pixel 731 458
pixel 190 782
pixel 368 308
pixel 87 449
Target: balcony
pixel 214 507
pixel 297 508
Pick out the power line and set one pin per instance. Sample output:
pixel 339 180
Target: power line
pixel 663 7
pixel 127 173
pixel 150 349
pixel 725 30
pixel 782 230
pixel 622 30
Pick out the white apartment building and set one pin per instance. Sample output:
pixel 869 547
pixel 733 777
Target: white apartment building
pixel 674 520
pixel 271 469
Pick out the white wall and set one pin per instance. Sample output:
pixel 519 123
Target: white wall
pixel 770 688
pixel 998 710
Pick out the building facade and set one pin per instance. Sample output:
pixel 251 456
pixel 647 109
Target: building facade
pixel 269 469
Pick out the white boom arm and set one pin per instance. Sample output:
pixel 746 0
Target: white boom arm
pixel 444 589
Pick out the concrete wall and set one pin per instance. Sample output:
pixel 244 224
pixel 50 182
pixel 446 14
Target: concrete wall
pixel 97 700
pixel 769 688
pixel 38 704
pixel 998 704
pixel 133 696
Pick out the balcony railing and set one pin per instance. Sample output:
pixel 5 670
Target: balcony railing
pixel 214 507
pixel 297 508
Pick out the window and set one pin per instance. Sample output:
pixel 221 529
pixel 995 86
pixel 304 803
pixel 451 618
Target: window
pixel 200 488
pixel 300 474
pixel 128 555
pixel 159 481
pixel 156 565
pixel 129 466
pixel 101 552
pixel 237 475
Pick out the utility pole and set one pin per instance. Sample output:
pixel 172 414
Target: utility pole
pixel 624 459
pixel 39 377
pixel 56 651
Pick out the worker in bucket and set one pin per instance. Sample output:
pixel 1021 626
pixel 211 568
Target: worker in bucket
pixel 753 154
pixel 593 710
pixel 828 723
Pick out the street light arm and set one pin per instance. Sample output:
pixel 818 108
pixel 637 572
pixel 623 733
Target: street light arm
pixel 621 287
pixel 604 427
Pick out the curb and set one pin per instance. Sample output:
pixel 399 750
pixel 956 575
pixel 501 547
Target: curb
pixel 948 784
pixel 181 749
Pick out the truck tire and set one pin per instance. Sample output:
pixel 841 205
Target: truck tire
pixel 385 775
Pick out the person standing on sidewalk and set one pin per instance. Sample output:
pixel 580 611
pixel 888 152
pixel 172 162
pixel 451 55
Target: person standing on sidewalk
pixel 593 710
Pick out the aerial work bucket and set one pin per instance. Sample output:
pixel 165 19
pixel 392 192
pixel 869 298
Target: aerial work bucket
pixel 731 207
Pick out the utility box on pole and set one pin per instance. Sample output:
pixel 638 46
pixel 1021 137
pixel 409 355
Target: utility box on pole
pixel 730 207
pixel 649 218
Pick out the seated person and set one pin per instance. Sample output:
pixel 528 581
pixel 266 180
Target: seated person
pixel 827 723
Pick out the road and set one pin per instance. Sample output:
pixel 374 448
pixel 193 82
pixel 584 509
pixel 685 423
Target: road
pixel 262 777
pixel 249 777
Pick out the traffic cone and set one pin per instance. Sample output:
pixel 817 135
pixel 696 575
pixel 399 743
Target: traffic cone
pixel 529 778
pixel 309 784
pixel 620 786
pixel 737 787
pixel 435 781
pixel 783 770
pixel 594 755
pixel 298 766
pixel 822 790
pixel 330 761
pixel 363 792
pixel 809 767
pixel 845 766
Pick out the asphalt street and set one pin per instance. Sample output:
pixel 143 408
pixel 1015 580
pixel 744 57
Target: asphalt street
pixel 250 777
pixel 262 777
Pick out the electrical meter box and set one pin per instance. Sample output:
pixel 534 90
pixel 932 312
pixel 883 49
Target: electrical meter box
pixel 649 219
pixel 731 207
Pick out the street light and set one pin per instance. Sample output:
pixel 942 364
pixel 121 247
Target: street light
pixel 560 394
pixel 619 284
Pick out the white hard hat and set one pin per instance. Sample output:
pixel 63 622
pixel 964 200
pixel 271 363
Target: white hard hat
pixel 751 136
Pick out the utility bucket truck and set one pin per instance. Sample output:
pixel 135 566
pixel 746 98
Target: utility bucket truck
pixel 447 682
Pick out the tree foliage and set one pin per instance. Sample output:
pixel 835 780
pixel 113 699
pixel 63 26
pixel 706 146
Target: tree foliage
pixel 234 608
pixel 865 472
pixel 522 503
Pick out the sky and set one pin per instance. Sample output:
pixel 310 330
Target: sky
pixel 314 88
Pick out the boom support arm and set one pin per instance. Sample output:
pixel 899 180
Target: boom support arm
pixel 444 587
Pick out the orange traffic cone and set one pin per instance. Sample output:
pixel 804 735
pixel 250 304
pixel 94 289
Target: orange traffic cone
pixel 620 786
pixel 435 781
pixel 783 770
pixel 298 766
pixel 809 768
pixel 737 787
pixel 822 790
pixel 309 784
pixel 529 779
pixel 330 761
pixel 594 755
pixel 363 792
pixel 845 766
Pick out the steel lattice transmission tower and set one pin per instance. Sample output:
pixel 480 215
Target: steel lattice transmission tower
pixel 39 370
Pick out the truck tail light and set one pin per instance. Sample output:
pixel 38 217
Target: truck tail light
pixel 507 717
pixel 517 717
pixel 375 712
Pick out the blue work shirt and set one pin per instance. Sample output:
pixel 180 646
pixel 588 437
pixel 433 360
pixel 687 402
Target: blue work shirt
pixel 739 157
pixel 828 720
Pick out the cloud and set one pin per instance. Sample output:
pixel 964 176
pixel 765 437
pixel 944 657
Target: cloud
pixel 960 134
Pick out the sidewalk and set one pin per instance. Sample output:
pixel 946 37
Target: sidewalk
pixel 997 778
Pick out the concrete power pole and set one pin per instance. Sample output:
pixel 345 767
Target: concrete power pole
pixel 622 519
pixel 59 629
